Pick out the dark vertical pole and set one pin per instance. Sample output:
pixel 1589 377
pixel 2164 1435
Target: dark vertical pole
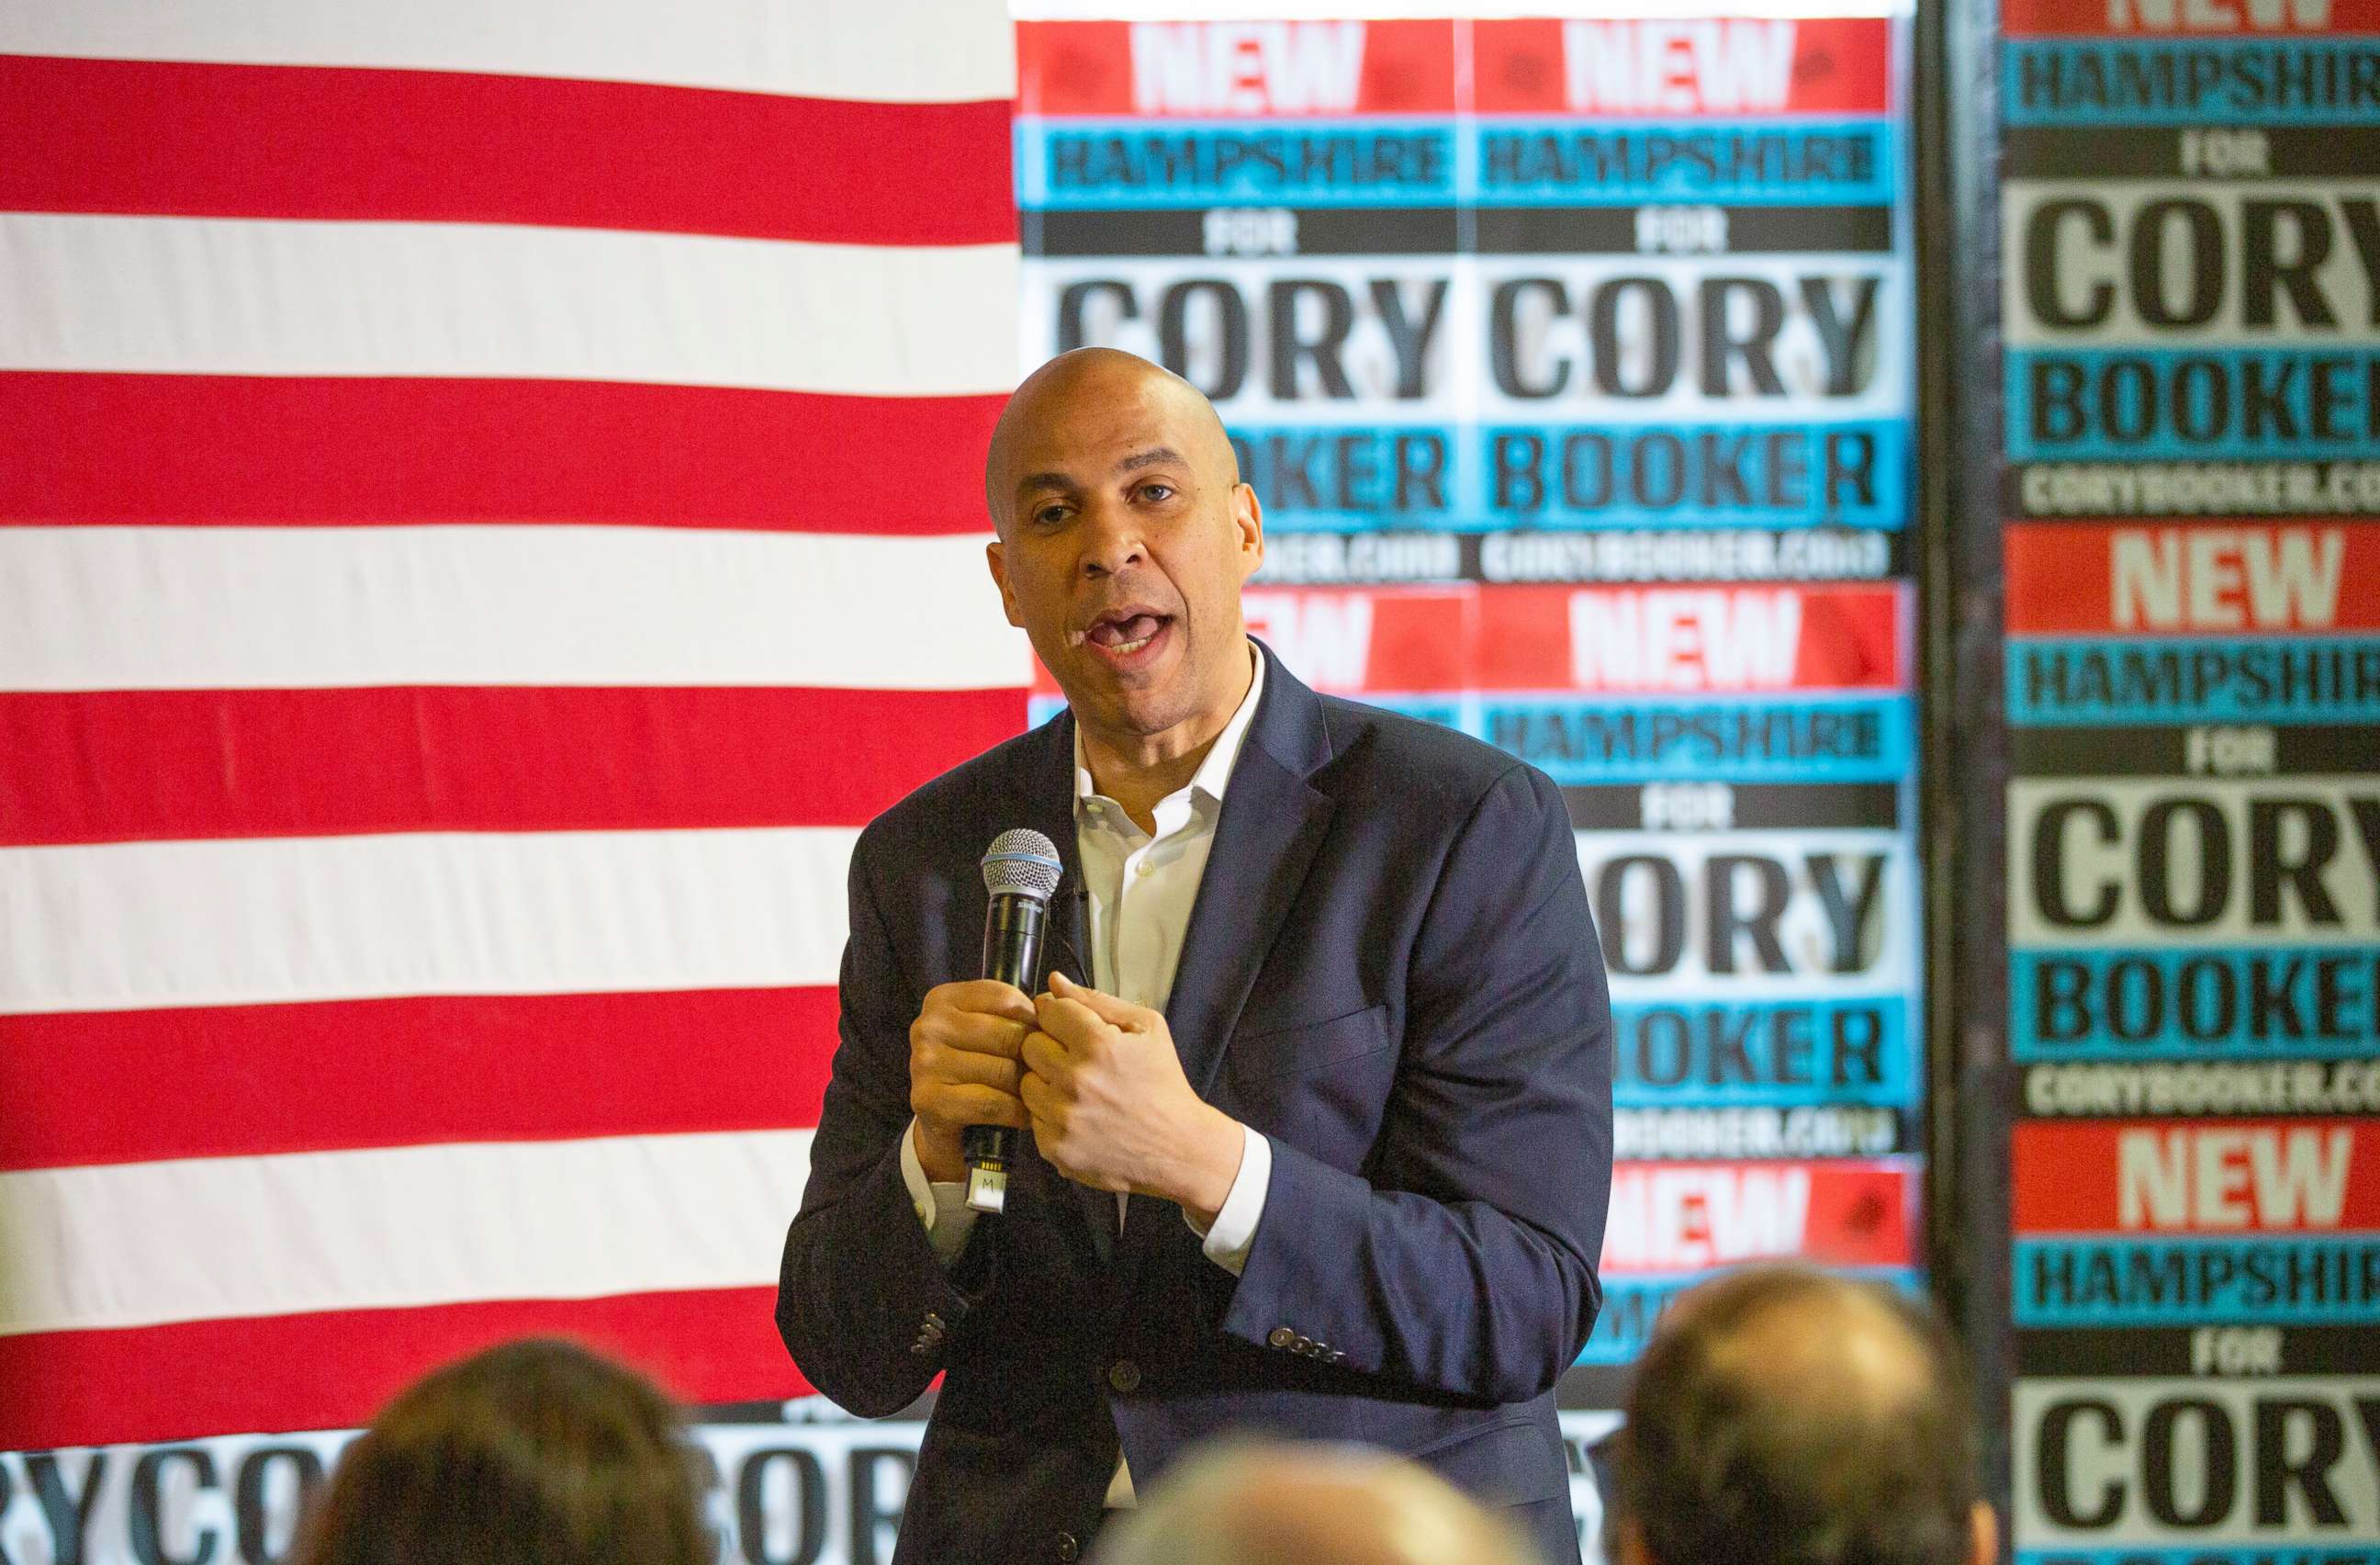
pixel 1965 759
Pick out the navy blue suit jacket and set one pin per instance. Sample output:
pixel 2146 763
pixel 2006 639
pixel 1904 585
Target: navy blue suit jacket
pixel 1391 972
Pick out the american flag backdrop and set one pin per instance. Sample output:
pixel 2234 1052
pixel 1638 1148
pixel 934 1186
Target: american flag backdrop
pixel 489 505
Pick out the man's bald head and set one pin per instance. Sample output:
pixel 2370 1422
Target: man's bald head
pixel 1784 1414
pixel 1081 383
pixel 1308 1505
pixel 1125 539
pixel 1793 1333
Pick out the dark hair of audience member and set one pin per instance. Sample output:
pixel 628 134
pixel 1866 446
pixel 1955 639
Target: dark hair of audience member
pixel 535 1451
pixel 1785 1417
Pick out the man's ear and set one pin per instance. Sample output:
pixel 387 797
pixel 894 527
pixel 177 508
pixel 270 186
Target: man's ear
pixel 1984 1535
pixel 996 557
pixel 1247 519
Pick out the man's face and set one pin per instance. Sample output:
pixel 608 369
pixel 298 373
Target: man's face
pixel 1126 545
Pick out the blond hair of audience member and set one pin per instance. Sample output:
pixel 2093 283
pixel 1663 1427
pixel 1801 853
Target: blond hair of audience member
pixel 1307 1504
pixel 535 1451
pixel 1782 1416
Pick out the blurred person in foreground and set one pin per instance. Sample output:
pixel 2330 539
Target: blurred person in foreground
pixel 1274 1504
pixel 1782 1416
pixel 535 1451
pixel 1319 1106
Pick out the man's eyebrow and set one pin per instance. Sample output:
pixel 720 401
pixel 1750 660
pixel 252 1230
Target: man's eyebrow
pixel 1152 457
pixel 1033 481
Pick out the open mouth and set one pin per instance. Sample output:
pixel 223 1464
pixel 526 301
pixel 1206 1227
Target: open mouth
pixel 1122 635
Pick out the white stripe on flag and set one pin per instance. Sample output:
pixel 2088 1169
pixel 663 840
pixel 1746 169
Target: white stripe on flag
pixel 890 51
pixel 258 297
pixel 131 925
pixel 96 608
pixel 207 1239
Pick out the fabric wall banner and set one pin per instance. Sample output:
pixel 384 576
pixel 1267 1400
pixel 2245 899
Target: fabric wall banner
pixel 2191 677
pixel 493 508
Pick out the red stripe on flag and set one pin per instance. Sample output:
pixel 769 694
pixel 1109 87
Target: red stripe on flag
pixel 289 141
pixel 115 449
pixel 127 766
pixel 333 1371
pixel 103 1087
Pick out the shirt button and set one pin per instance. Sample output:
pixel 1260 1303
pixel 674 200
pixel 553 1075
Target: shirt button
pixel 1124 1375
pixel 1144 867
pixel 1281 1337
pixel 1069 1548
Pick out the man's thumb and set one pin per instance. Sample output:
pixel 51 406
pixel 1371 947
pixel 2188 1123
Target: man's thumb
pixel 1107 1008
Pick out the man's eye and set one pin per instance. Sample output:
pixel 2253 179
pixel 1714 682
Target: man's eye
pixel 1157 491
pixel 1050 516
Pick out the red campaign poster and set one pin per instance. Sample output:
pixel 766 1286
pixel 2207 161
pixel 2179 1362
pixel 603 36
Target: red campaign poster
pixel 2195 577
pixel 1672 639
pixel 2204 20
pixel 1235 69
pixel 2208 1177
pixel 1670 1217
pixel 1665 67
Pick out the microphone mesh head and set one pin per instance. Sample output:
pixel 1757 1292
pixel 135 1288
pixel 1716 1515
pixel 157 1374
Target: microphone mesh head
pixel 1021 862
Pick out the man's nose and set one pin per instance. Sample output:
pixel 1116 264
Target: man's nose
pixel 1111 540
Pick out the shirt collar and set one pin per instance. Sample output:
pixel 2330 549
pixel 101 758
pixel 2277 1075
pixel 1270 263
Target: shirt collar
pixel 1214 771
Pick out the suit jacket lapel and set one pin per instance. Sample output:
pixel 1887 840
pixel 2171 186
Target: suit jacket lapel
pixel 1272 821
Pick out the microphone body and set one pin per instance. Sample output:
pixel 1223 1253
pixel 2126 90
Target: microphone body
pixel 1012 939
pixel 1020 871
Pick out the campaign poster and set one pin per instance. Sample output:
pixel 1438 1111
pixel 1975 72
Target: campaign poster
pixel 1270 209
pixel 1475 296
pixel 2191 245
pixel 1572 362
pixel 1692 275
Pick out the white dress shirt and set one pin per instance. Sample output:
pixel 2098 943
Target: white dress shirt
pixel 1142 886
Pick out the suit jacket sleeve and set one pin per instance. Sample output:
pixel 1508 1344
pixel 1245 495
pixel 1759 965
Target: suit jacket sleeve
pixel 1460 1259
pixel 860 1278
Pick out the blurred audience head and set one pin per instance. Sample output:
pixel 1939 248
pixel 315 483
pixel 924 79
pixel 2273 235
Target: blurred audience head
pixel 535 1451
pixel 1781 1416
pixel 1277 1504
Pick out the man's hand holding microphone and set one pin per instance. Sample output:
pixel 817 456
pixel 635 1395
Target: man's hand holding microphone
pixel 1095 1078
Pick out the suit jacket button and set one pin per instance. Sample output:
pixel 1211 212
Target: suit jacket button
pixel 1337 1357
pixel 1069 1548
pixel 1124 1375
pixel 1282 1337
pixel 1304 1344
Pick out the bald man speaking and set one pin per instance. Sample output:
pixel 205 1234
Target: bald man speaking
pixel 1318 1096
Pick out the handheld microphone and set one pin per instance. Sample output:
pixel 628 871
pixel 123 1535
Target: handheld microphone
pixel 1021 870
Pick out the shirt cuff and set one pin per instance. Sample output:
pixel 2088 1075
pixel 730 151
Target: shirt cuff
pixel 942 1208
pixel 1234 1234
